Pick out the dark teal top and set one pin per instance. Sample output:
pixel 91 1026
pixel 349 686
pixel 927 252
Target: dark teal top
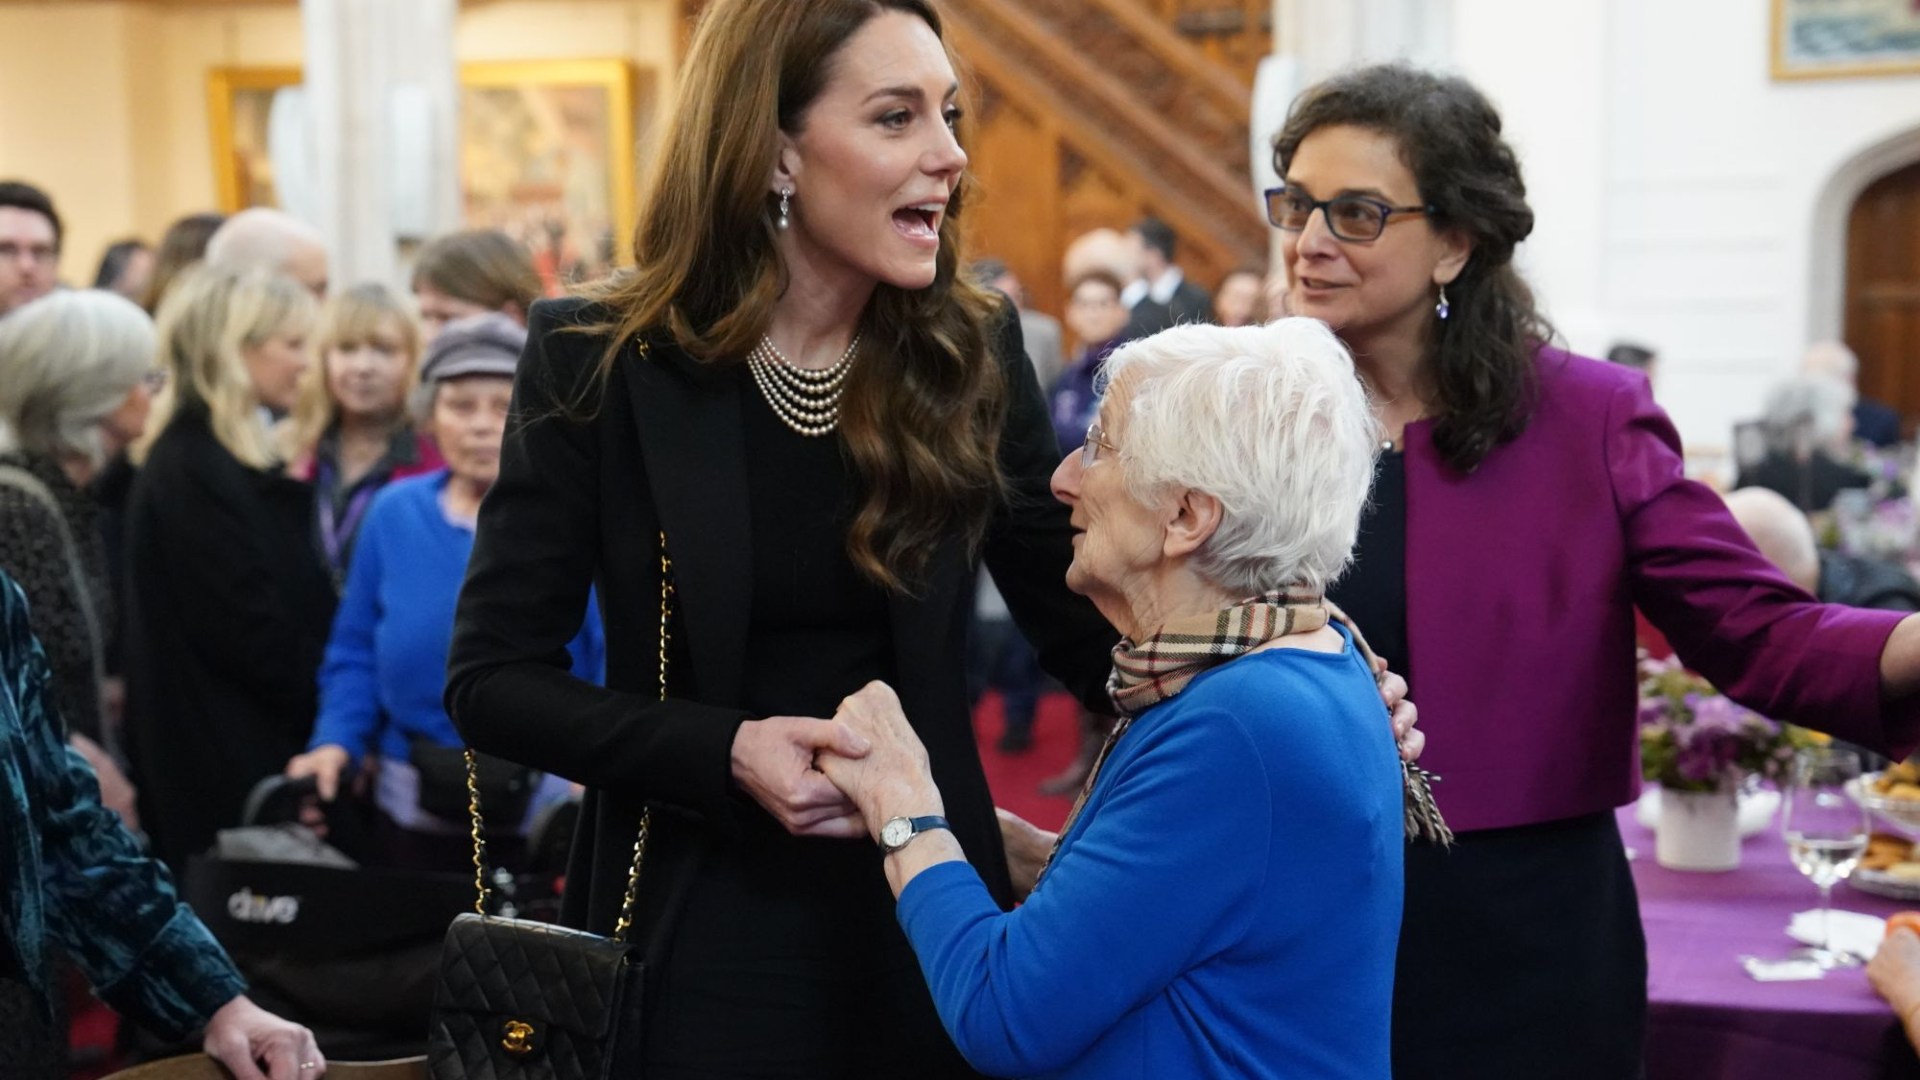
pixel 75 877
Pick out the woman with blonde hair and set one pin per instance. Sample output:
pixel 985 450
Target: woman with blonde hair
pixel 830 427
pixel 350 434
pixel 229 606
pixel 469 273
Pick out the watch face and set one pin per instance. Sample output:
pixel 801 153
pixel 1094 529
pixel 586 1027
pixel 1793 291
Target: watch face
pixel 896 832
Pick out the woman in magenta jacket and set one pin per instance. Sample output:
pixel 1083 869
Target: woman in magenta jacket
pixel 1527 501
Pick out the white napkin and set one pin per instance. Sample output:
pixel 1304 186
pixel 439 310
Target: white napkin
pixel 1782 970
pixel 1853 932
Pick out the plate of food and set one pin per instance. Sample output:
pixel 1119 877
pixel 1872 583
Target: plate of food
pixel 1890 868
pixel 1893 795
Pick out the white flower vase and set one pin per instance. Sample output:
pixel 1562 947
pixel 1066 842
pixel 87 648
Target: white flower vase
pixel 1698 830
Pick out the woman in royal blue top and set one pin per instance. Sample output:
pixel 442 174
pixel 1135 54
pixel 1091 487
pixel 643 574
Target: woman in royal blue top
pixel 385 667
pixel 1225 900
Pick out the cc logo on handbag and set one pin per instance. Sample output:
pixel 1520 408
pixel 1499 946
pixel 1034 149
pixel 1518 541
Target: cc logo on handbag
pixel 518 1038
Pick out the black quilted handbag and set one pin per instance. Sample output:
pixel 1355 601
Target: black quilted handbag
pixel 524 1000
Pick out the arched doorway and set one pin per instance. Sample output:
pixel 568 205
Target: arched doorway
pixel 1882 306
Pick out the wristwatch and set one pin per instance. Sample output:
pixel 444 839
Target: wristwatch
pixel 900 831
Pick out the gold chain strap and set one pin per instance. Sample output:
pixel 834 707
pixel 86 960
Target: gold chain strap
pixel 627 902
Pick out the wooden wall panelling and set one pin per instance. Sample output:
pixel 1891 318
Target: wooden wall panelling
pixel 1013 212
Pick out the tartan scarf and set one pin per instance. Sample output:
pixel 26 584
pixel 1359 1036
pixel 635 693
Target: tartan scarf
pixel 1160 667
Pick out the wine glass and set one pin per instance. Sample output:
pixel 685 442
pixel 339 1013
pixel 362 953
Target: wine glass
pixel 1825 830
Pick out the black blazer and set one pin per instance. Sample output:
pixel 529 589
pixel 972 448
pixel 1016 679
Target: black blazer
pixel 229 608
pixel 581 503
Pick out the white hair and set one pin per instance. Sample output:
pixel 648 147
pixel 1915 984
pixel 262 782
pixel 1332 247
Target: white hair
pixel 1830 358
pixel 67 361
pixel 260 238
pixel 1808 410
pixel 1271 420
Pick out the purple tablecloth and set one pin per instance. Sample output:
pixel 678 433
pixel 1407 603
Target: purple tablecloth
pixel 1707 1019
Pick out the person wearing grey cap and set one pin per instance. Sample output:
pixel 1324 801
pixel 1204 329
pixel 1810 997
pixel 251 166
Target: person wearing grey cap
pixel 385 670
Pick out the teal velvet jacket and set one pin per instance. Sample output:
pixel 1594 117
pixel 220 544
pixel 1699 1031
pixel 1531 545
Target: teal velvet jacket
pixel 75 877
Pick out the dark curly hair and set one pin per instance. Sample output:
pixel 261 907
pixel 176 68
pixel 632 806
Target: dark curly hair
pixel 1449 138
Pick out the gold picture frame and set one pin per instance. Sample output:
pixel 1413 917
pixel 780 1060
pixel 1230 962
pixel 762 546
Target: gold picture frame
pixel 548 154
pixel 1826 39
pixel 238 99
pixel 534 134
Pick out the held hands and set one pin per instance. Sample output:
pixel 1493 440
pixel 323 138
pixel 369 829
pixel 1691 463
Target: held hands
pixel 773 762
pixel 892 779
pixel 242 1035
pixel 1393 691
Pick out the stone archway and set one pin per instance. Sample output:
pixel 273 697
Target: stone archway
pixel 1827 262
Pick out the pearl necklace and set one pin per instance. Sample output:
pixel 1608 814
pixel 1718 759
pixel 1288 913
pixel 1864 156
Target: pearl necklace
pixel 805 400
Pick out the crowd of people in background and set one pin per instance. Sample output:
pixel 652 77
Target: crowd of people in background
pixel 236 500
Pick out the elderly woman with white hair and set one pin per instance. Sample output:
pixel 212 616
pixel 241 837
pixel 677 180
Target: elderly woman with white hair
pixel 77 378
pixel 1807 429
pixel 1225 900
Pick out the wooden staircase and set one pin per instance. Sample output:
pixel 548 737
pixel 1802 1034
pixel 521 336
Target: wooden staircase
pixel 1097 112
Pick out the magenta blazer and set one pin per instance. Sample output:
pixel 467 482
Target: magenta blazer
pixel 1522 578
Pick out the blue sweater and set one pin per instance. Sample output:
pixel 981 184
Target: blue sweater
pixel 387 656
pixel 1227 905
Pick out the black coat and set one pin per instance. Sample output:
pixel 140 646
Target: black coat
pixel 229 608
pixel 581 503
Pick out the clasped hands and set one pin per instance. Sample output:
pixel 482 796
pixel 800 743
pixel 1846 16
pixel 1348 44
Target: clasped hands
pixel 845 777
pixel 842 777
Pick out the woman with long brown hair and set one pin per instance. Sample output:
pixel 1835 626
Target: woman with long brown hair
pixel 829 426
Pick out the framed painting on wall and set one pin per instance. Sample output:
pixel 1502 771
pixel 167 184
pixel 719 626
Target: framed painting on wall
pixel 239 114
pixel 548 154
pixel 1818 39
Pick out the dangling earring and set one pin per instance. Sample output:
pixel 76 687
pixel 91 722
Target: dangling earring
pixel 1440 309
pixel 786 211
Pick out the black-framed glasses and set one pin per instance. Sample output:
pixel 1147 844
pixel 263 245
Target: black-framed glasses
pixel 1349 217
pixel 1095 441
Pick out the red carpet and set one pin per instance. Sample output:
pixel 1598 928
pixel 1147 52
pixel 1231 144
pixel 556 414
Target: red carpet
pixel 1015 777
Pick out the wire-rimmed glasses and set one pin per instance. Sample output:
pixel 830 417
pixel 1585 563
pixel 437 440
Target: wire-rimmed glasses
pixel 1095 442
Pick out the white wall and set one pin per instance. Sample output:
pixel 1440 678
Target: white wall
pixel 1678 187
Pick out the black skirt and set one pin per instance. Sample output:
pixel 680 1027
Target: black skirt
pixel 1522 955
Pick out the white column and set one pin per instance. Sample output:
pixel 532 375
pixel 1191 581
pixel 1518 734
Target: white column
pixel 381 91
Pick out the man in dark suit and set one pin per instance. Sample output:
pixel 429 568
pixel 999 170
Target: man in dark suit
pixel 1162 296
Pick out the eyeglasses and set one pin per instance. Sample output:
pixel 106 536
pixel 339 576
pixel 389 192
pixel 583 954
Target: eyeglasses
pixel 1349 217
pixel 34 253
pixel 1090 449
pixel 154 380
